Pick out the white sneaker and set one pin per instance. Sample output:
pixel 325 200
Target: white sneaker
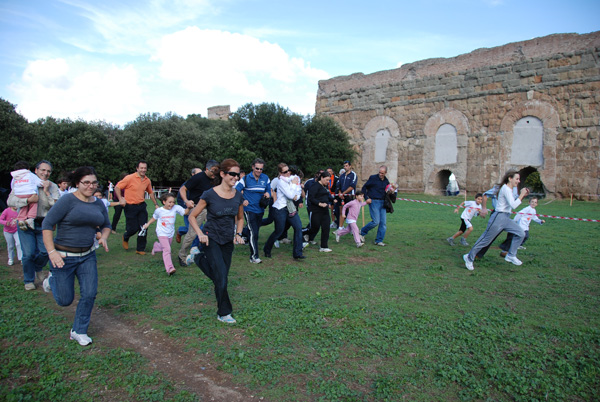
pixel 514 260
pixel 313 242
pixel 463 241
pixel 276 244
pixel 82 339
pixel 194 250
pixel 46 284
pixel 382 244
pixel 468 264
pixel 337 236
pixel 333 225
pixel 305 237
pixel 522 248
pixel 255 260
pixel 286 241
pixel 30 286
pixel 228 319
pixel 189 260
pixel 10 262
pixel 325 250
pixel 362 238
pixel 305 244
pixel 30 223
pixel 359 245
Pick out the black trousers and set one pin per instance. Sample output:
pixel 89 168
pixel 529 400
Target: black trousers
pixel 319 219
pixel 116 217
pixel 136 215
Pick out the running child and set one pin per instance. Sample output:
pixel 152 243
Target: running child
pixel 350 213
pixel 24 184
pixel 472 209
pixel 165 228
pixel 523 218
pixel 8 218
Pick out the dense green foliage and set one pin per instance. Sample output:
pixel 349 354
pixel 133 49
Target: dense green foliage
pixel 173 145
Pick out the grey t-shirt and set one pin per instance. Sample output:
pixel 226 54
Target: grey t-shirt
pixel 220 215
pixel 76 221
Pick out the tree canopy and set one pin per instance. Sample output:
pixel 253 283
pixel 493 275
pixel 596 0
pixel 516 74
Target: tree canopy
pixel 171 144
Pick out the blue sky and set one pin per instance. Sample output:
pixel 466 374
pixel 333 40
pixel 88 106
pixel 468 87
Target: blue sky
pixel 114 60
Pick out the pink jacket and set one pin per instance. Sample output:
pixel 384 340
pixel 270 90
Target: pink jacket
pixel 352 209
pixel 7 218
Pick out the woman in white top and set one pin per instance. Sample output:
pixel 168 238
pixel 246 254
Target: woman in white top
pixel 286 190
pixel 500 220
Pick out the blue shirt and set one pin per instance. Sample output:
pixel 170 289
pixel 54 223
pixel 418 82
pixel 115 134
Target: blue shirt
pixel 374 188
pixel 348 180
pixel 253 190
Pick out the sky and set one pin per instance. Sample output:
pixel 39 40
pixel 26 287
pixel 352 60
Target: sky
pixel 113 60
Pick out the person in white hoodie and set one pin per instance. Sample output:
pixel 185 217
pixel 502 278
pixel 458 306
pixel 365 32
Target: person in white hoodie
pixel 524 218
pixel 24 184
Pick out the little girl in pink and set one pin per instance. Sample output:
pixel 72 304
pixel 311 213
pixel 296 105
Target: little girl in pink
pixel 8 218
pixel 165 228
pixel 350 212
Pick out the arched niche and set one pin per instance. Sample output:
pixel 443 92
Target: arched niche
pixel 446 143
pixel 514 120
pixel 380 147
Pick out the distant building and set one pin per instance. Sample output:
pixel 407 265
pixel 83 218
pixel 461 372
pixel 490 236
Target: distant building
pixel 219 112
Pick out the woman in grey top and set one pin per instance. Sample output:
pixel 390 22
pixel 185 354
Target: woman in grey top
pixel 76 217
pixel 223 229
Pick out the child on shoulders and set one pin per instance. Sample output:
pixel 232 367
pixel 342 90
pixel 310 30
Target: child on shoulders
pixel 24 184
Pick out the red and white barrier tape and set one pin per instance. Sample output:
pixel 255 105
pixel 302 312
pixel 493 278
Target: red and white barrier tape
pixel 543 216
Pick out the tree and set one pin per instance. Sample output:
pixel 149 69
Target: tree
pixel 16 140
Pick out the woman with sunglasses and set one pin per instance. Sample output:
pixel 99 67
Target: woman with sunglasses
pixel 286 190
pixel 72 253
pixel 222 230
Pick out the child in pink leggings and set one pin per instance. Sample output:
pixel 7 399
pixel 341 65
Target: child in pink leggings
pixel 24 184
pixel 165 228
pixel 350 213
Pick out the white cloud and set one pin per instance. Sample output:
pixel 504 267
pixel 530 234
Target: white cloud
pixel 64 89
pixel 208 60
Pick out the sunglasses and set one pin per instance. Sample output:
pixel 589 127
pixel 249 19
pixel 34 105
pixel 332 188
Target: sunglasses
pixel 260 169
pixel 287 171
pixel 234 174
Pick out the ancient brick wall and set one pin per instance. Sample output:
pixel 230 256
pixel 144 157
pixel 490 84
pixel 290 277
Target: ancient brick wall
pixel 532 104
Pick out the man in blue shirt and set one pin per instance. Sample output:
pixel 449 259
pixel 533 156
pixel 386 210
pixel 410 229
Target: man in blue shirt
pixel 254 187
pixel 374 189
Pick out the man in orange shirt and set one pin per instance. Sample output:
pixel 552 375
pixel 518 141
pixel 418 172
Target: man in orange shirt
pixel 136 185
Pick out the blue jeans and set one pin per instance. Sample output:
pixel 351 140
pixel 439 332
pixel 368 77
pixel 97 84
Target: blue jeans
pixel 34 252
pixel 378 218
pixel 254 221
pixel 281 216
pixel 62 283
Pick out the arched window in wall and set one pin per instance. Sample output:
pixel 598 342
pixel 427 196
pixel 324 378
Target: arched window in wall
pixel 446 145
pixel 528 142
pixel 382 139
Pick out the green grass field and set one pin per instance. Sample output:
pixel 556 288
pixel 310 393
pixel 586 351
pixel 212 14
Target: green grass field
pixel 403 322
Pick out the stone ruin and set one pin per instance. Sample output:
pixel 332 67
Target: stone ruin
pixel 530 106
pixel 219 112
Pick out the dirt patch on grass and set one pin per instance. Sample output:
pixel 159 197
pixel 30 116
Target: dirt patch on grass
pixel 187 370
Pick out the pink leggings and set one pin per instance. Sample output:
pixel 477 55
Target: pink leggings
pixel 28 211
pixel 164 244
pixel 351 228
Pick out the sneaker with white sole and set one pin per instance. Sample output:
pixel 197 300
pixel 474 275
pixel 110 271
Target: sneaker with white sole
pixel 276 244
pixel 189 260
pixel 30 223
pixel 305 244
pixel 522 248
pixel 359 245
pixel 194 250
pixel 514 260
pixel 228 319
pixel 305 237
pixel 313 242
pixel 11 262
pixel 450 241
pixel 468 264
pixel 325 250
pixel 333 225
pixel 255 260
pixel 381 244
pixel 362 238
pixel 285 241
pixel 22 225
pixel 463 241
pixel 46 284
pixel 30 286
pixel 82 339
pixel 337 236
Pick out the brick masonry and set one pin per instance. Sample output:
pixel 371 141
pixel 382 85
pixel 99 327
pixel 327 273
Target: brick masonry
pixel 482 94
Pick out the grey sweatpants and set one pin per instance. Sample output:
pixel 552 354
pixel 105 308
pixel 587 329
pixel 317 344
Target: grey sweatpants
pixel 499 221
